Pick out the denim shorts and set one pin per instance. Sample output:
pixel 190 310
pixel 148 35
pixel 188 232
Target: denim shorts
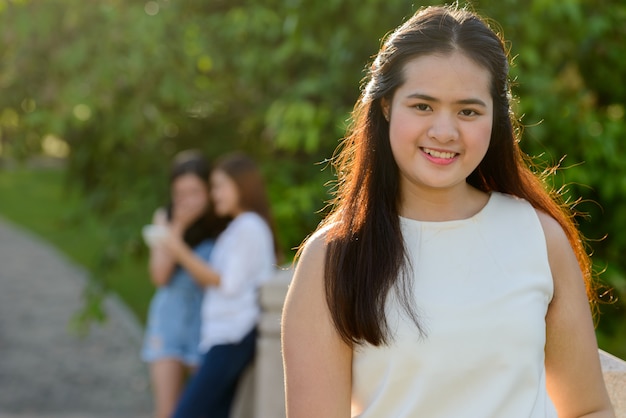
pixel 173 325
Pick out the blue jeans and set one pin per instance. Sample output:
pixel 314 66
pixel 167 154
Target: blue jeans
pixel 210 392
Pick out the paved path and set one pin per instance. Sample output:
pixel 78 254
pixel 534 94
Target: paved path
pixel 45 370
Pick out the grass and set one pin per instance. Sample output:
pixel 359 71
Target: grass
pixel 37 200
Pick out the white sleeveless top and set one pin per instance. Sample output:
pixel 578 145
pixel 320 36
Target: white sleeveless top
pixel 481 288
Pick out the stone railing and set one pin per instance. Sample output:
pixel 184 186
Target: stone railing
pixel 261 393
pixel 614 371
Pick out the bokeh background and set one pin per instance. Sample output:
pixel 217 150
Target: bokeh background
pixel 97 96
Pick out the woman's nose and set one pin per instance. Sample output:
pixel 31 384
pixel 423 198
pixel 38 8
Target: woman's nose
pixel 444 128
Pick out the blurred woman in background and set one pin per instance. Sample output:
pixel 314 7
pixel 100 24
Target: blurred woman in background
pixel 173 323
pixel 244 257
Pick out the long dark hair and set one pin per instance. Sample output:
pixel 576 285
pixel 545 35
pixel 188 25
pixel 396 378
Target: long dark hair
pixel 253 197
pixel 365 256
pixel 209 225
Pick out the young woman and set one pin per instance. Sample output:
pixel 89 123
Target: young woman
pixel 446 282
pixel 243 258
pixel 173 325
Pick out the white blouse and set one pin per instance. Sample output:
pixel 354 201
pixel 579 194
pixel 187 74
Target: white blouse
pixel 482 287
pixel 244 258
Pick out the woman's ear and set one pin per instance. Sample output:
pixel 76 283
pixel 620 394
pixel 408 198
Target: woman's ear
pixel 386 108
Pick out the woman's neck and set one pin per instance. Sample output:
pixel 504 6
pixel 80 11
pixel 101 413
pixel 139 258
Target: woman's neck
pixel 442 205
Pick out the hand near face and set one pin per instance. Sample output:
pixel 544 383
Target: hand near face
pixel 185 213
pixel 173 242
pixel 190 199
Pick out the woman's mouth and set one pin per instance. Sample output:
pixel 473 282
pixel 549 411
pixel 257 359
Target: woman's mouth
pixel 440 155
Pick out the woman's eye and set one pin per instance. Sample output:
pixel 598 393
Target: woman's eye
pixel 468 112
pixel 422 106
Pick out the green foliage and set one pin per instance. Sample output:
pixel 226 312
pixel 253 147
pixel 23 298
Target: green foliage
pixel 127 84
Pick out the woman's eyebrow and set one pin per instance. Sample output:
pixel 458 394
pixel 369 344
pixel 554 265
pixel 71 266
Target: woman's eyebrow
pixel 468 101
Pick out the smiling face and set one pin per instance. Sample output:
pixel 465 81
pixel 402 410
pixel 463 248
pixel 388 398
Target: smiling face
pixel 225 194
pixel 440 122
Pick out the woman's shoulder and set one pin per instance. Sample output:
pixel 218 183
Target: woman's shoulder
pixel 313 249
pixel 552 230
pixel 560 253
pixel 308 279
pixel 510 206
pixel 248 224
pixel 249 220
